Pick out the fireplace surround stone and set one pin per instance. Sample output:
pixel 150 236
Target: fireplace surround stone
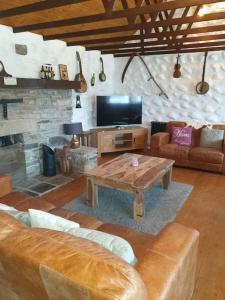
pixel 38 120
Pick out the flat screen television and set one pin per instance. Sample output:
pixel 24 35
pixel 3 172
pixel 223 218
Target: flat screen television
pixel 119 110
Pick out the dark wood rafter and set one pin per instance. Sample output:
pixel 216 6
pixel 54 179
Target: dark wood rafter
pixel 142 43
pixel 168 16
pixel 153 17
pixel 182 40
pixel 200 30
pixel 153 49
pixel 130 20
pixel 37 6
pixel 138 5
pixel 95 32
pixel 161 50
pixel 168 22
pixel 191 23
pixel 194 50
pixel 132 12
pixel 108 5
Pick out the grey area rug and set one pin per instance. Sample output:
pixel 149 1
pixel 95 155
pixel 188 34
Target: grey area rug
pixel 161 206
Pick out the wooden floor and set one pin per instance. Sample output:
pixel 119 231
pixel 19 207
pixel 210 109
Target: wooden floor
pixel 204 210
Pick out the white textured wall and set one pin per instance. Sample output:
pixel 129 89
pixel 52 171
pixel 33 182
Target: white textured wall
pixel 183 103
pixel 88 100
pixel 56 52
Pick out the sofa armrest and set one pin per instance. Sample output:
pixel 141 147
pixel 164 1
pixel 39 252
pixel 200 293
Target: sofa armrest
pixel 159 139
pixel 5 185
pixel 61 266
pixel 168 269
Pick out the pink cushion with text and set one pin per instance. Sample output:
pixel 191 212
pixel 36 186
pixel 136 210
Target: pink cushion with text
pixel 181 136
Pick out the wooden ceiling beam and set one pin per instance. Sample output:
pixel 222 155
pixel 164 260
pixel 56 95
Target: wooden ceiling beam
pixel 153 18
pixel 108 5
pixel 118 29
pixel 194 15
pixel 212 37
pixel 213 16
pixel 184 15
pixel 130 20
pixel 131 12
pixel 138 5
pixel 168 16
pixel 210 49
pixel 37 6
pixel 147 49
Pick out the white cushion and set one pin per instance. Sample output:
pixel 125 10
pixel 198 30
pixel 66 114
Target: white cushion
pixel 115 244
pixel 43 219
pixel 6 207
pixel 19 215
pixel 212 138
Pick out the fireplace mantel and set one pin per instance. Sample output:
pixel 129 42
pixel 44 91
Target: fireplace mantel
pixel 10 127
pixel 26 83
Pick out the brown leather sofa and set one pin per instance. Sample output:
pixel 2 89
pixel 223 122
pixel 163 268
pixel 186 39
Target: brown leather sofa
pixel 209 159
pixel 44 264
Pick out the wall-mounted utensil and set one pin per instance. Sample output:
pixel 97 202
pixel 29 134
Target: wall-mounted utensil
pixel 203 87
pixel 81 84
pixel 93 79
pixel 102 75
pixel 177 67
pixel 78 102
pixel 3 72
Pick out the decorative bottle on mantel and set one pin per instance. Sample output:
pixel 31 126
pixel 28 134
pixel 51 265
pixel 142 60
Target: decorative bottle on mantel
pixel 93 80
pixel 42 73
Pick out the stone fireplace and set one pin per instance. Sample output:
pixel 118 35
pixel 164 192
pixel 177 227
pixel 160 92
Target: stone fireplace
pixel 37 120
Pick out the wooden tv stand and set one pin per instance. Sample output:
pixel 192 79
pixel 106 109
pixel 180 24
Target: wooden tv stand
pixel 113 139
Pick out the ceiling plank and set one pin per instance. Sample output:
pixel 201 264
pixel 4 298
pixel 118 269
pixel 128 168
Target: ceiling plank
pixel 131 12
pixel 37 6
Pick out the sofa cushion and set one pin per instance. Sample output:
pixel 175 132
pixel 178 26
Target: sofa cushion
pixel 195 139
pixel 172 124
pixel 208 155
pixel 43 219
pixel 181 136
pixel 174 151
pixel 212 138
pixel 113 243
pixel 84 220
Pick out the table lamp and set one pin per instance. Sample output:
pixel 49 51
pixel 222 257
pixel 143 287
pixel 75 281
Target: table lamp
pixel 73 129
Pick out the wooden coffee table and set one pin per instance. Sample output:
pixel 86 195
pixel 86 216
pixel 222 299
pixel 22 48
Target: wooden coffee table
pixel 120 174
